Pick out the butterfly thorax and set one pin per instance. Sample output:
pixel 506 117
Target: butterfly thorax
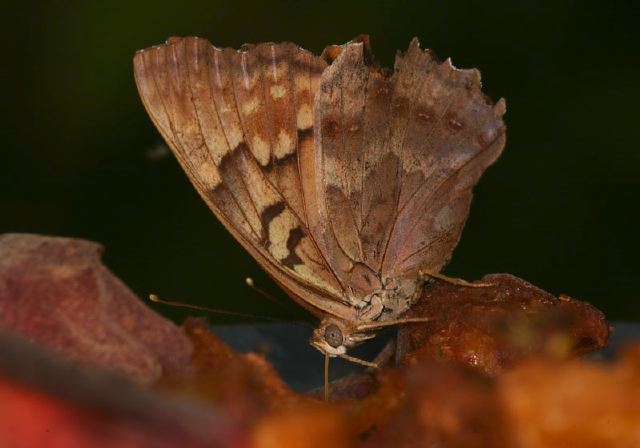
pixel 335 335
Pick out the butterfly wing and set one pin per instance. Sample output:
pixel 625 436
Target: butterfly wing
pixel 240 124
pixel 397 158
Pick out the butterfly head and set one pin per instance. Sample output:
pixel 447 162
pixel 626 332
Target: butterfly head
pixel 334 337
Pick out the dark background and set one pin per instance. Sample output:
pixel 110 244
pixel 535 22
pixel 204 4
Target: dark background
pixel 81 158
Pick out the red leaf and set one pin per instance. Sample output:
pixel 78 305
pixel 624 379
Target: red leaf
pixel 57 293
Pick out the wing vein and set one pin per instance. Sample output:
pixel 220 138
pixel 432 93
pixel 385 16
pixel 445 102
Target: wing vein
pixel 267 113
pixel 343 176
pixel 230 150
pixel 415 192
pixel 443 181
pixel 363 115
pixel 294 102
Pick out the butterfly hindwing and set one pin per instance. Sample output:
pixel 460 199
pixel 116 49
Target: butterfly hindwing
pixel 398 156
pixel 454 133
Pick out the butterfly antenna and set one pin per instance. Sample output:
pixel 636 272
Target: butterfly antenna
pixel 251 284
pixel 155 298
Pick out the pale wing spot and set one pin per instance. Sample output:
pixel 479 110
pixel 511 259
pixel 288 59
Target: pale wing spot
pixel 305 117
pixel 250 106
pixel 333 180
pixel 442 220
pixel 260 150
pixel 279 229
pixel 277 91
pixel 262 192
pixel 234 135
pixel 302 83
pixel 284 145
pixel 216 145
pixel 209 174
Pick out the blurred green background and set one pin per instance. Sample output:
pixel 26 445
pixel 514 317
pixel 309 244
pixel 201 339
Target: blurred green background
pixel 81 158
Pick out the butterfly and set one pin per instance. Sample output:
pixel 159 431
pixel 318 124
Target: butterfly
pixel 348 183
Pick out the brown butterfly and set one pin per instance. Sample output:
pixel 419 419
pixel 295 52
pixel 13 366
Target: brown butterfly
pixel 349 184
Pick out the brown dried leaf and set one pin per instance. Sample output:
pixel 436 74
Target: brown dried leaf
pixel 492 328
pixel 489 328
pixel 57 293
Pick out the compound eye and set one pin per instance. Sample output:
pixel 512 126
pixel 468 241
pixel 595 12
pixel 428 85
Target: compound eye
pixel 333 336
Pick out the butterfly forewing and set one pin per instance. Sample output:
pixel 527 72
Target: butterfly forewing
pixel 240 149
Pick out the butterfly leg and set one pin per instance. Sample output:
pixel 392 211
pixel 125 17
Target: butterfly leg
pixel 402 345
pixel 425 273
pixel 362 362
pixel 326 376
pixel 407 320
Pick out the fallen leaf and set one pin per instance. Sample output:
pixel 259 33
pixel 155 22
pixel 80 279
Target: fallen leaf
pixel 57 293
pixel 494 327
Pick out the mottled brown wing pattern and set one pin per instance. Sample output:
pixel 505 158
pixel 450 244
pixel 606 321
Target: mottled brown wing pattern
pixel 240 124
pixel 399 155
pixel 342 179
